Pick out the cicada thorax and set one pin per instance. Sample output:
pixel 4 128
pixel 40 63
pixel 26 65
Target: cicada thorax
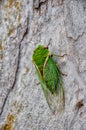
pixel 40 56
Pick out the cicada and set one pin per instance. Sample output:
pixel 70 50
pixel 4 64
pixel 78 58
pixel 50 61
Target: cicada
pixel 50 78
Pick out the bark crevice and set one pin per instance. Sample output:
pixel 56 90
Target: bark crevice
pixel 16 71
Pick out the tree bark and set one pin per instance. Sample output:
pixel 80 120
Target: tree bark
pixel 23 26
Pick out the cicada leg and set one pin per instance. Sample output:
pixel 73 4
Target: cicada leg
pixel 59 55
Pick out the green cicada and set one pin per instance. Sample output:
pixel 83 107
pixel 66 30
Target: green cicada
pixel 50 78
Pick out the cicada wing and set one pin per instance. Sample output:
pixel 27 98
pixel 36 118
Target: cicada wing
pixel 43 85
pixel 54 100
pixel 54 88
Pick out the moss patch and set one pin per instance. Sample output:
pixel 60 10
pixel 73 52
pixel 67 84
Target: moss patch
pixel 9 123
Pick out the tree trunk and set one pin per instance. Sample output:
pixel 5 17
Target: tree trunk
pixel 23 25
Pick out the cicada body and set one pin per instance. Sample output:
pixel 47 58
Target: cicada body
pixel 50 78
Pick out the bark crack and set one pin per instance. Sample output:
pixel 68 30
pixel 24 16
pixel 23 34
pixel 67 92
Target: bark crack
pixel 39 3
pixel 16 72
pixel 75 39
pixel 12 85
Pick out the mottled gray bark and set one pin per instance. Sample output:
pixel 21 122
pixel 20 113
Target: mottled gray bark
pixel 23 25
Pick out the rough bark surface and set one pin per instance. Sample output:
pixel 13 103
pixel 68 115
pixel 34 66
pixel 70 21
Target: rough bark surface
pixel 23 25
